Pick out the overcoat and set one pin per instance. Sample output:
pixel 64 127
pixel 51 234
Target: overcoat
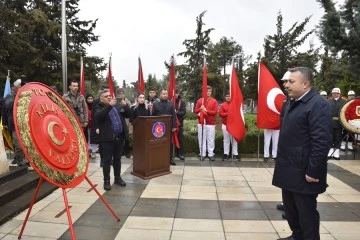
pixel 304 142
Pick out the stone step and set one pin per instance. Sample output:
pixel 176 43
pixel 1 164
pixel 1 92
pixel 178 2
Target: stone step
pixel 22 202
pixel 17 186
pixel 14 172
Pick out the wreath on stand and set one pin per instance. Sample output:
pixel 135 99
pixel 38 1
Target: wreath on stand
pixel 350 115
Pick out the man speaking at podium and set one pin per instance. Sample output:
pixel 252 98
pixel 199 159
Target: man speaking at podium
pixel 165 107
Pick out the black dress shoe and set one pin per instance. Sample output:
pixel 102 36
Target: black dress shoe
pixel 225 157
pixel 14 162
pixel 236 158
pixel 107 186
pixel 120 182
pixel 280 207
pixel 212 158
pixel 266 159
pixel 172 162
pixel 283 216
pixel 181 157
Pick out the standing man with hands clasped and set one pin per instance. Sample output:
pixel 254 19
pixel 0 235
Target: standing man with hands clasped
pixel 301 165
pixel 165 107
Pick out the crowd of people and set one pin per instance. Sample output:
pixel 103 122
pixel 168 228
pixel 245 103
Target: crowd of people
pixel 308 134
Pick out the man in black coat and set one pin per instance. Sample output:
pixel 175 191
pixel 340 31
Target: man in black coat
pixel 301 165
pixel 165 107
pixel 112 129
pixel 180 110
pixel 336 103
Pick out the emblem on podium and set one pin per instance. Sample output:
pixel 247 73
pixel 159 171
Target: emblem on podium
pixel 158 129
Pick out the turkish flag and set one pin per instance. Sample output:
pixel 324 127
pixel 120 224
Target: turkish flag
pixel 110 81
pixel 270 100
pixel 141 83
pixel 172 86
pixel 202 114
pixel 235 123
pixel 172 98
pixel 82 77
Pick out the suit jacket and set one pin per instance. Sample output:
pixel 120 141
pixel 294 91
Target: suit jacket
pixel 103 121
pixel 336 107
pixel 304 142
pixel 165 108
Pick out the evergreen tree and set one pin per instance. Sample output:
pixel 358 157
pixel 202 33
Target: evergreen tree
pixel 339 31
pixel 196 49
pixel 281 50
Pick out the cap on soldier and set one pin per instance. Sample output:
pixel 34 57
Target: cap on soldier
pixel 17 83
pixel 336 90
pixel 323 93
pixel 286 76
pixel 351 93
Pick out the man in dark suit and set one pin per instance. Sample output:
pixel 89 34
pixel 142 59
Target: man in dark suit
pixel 112 128
pixel 180 110
pixel 165 107
pixel 336 103
pixel 301 165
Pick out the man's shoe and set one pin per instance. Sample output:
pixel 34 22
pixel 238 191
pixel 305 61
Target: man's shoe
pixel 212 158
pixel 280 207
pixel 287 238
pixel 283 216
pixel 128 156
pixel 266 159
pixel 14 161
pixel 120 182
pixel 236 158
pixel 107 186
pixel 172 162
pixel 181 157
pixel 225 157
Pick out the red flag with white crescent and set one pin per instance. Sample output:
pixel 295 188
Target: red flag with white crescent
pixel 172 98
pixel 270 100
pixel 235 123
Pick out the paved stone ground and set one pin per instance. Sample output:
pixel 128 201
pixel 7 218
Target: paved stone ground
pixel 199 200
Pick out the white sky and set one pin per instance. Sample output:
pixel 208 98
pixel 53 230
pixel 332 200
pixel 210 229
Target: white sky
pixel 156 29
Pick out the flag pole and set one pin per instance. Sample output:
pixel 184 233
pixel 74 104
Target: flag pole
pixel 258 145
pixel 202 126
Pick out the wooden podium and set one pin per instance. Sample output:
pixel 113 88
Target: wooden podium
pixel 151 146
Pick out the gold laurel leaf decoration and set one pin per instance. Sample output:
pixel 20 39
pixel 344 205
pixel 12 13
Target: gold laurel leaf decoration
pixel 24 129
pixel 343 120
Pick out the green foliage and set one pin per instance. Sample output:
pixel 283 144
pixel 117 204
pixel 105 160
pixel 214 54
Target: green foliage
pixel 339 31
pixel 191 72
pixel 248 145
pixel 31 42
pixel 281 50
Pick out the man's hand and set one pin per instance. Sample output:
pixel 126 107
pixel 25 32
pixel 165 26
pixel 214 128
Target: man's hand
pixel 112 102
pixel 123 103
pixel 311 180
pixel 97 131
pixel 173 130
